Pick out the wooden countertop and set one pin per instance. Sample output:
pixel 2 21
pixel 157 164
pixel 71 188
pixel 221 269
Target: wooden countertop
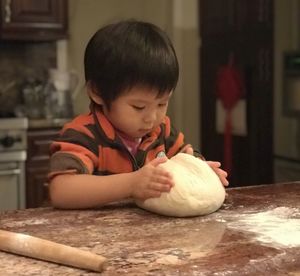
pixel 256 232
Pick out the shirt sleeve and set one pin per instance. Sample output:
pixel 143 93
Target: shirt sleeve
pixel 73 153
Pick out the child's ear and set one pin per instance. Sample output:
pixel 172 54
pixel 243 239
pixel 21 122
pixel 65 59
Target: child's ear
pixel 93 93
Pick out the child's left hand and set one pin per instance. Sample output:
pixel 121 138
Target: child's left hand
pixel 214 165
pixel 220 173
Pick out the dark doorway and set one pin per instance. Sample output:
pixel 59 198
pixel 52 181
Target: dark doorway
pixel 243 28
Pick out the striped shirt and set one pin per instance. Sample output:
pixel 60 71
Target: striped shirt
pixel 90 145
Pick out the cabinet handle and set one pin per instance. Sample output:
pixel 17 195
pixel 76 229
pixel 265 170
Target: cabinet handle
pixel 46 184
pixel 7 9
pixel 10 172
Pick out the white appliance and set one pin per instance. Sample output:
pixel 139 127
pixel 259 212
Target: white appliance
pixel 13 144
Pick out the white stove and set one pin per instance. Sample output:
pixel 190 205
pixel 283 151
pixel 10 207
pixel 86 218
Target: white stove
pixel 13 145
pixel 13 134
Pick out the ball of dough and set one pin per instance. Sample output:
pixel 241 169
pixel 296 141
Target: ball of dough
pixel 197 191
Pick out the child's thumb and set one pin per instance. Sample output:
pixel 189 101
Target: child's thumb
pixel 159 160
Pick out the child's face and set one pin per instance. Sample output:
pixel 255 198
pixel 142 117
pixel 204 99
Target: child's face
pixel 138 111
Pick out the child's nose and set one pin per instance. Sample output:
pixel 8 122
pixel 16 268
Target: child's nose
pixel 150 117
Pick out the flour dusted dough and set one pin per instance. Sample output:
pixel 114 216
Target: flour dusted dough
pixel 197 191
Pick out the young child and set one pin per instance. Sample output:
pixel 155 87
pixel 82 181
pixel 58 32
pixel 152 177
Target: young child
pixel 113 152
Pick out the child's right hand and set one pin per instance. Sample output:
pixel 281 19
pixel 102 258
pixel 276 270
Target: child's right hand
pixel 152 180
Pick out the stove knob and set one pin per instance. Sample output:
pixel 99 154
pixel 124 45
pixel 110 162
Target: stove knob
pixel 7 141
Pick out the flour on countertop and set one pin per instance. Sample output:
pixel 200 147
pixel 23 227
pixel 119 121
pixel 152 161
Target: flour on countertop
pixel 26 222
pixel 280 226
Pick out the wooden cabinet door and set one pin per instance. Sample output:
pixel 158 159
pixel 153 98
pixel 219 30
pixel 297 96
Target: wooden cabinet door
pixel 37 186
pixel 37 166
pixel 34 19
pixel 243 28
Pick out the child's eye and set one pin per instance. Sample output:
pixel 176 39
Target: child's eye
pixel 138 107
pixel 162 105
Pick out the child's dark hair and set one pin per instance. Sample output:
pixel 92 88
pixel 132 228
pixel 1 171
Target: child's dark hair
pixel 122 55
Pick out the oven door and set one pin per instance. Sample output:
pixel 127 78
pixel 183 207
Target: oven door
pixel 12 194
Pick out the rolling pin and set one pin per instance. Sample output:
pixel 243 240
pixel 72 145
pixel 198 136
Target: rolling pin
pixel 46 250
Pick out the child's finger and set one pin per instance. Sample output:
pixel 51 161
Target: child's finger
pixel 153 193
pixel 158 160
pixel 160 187
pixel 165 179
pixel 189 150
pixel 214 164
pixel 223 173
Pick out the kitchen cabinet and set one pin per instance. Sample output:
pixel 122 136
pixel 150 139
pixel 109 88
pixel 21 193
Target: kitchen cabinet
pixel 37 165
pixel 33 20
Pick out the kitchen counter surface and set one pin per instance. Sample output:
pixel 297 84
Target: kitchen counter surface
pixel 256 232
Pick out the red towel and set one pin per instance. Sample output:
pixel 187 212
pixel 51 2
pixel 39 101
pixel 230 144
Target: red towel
pixel 230 88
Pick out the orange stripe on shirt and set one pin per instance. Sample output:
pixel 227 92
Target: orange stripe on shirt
pixel 79 124
pixel 106 126
pixel 113 160
pixel 89 159
pixel 176 146
pixel 148 142
pixel 152 154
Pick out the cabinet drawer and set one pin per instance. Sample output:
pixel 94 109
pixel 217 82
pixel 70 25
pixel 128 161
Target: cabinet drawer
pixel 37 165
pixel 37 187
pixel 38 144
